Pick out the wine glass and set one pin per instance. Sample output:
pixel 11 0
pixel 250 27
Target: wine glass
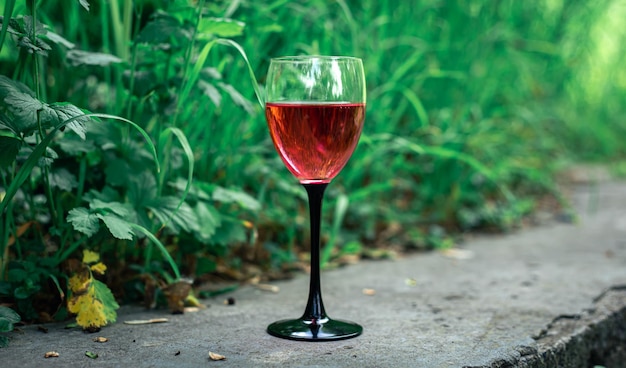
pixel 315 108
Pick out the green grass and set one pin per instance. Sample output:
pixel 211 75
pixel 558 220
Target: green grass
pixel 472 108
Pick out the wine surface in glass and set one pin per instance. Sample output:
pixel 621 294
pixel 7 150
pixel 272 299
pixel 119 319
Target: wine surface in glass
pixel 315 139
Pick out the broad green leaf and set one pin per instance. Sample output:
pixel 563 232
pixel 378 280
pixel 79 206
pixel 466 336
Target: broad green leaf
pixel 4 341
pixel 229 196
pixel 9 314
pixel 75 146
pixel 9 148
pixel 142 188
pixel 58 39
pixel 209 219
pixel 5 325
pixel 162 29
pixel 119 228
pixel 24 109
pixel 168 212
pixel 117 172
pixel 79 57
pixel 62 179
pixel 60 112
pixel 18 274
pixel 220 27
pixel 9 86
pixel 120 209
pixel 230 232
pixel 83 221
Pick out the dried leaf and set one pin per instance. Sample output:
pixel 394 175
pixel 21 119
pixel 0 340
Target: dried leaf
pixel 460 254
pixel 268 287
pixel 369 292
pixel 215 356
pixel 145 321
pixel 100 339
pixel 176 295
pixel 51 354
pixel 410 282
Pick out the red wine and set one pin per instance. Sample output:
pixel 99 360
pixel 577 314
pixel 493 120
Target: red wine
pixel 315 140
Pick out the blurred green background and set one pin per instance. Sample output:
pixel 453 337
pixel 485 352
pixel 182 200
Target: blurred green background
pixel 474 110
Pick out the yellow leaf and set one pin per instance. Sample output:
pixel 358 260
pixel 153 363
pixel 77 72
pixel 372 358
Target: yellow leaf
pixel 99 268
pixel 93 316
pixel 94 307
pixel 80 281
pixel 90 256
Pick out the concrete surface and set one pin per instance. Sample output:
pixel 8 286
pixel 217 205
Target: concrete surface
pixel 547 296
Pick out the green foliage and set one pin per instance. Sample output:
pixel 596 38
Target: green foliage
pixel 472 108
pixel 8 317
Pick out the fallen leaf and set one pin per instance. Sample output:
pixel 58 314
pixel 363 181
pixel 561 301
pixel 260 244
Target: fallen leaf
pixel 369 292
pixel 191 309
pixel 268 287
pixel 100 339
pixel 42 329
pixel 51 354
pixel 410 282
pixel 215 356
pixel 176 293
pixel 91 354
pixel 145 321
pixel 456 253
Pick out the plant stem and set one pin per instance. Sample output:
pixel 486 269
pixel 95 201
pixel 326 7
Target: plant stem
pixel 37 85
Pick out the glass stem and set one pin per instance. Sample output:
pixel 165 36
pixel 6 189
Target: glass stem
pixel 314 311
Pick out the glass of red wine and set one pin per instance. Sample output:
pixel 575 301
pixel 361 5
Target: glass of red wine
pixel 315 108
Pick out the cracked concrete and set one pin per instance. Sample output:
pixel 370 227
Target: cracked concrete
pixel 548 296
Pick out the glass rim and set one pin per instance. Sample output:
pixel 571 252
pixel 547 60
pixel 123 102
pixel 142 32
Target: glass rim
pixel 307 58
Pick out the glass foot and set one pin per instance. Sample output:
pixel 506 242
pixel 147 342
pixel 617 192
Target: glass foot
pixel 314 330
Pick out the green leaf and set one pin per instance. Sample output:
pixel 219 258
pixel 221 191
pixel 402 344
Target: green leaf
pixel 103 293
pixel 9 148
pixel 209 219
pixel 4 341
pixel 168 212
pixel 237 196
pixel 230 232
pixel 24 109
pixel 220 27
pixel 60 112
pixel 117 171
pixel 120 209
pixel 83 221
pixel 58 39
pixel 119 228
pixel 162 29
pixel 91 354
pixel 62 179
pixel 79 57
pixel 9 314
